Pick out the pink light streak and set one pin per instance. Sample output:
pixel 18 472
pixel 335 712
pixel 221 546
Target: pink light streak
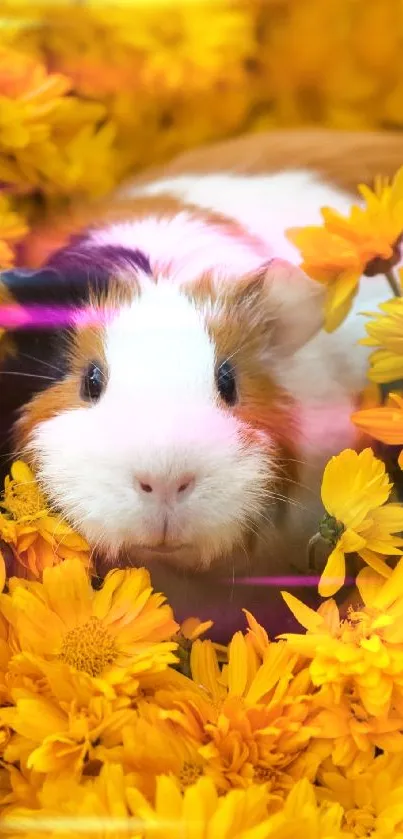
pixel 36 316
pixel 292 581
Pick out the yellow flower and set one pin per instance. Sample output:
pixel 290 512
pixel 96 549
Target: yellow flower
pixel 46 134
pixel 240 814
pixel 358 661
pixel 355 489
pixel 56 738
pixel 303 816
pixel 256 635
pixel 261 715
pixel 37 538
pixel 339 252
pixel 28 95
pixel 114 635
pixel 199 811
pixel 19 786
pixel 150 746
pixel 385 331
pixel 64 806
pixel 110 802
pixel 372 801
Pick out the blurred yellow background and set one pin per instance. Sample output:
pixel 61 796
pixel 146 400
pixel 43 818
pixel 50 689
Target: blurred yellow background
pixel 90 92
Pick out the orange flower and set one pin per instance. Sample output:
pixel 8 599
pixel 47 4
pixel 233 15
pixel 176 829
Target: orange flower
pixel 343 249
pixel 384 423
pixel 262 721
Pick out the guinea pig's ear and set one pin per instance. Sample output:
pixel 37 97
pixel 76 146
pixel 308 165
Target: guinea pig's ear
pixel 289 301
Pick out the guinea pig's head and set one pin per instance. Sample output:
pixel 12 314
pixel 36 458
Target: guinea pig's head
pixel 156 421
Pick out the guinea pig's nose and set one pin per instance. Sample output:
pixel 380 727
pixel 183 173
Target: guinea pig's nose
pixel 166 488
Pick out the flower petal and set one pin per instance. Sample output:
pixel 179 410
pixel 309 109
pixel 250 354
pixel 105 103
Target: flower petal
pixel 369 583
pixel 334 574
pixel 309 619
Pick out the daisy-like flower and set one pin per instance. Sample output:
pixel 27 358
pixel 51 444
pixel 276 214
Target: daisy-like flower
pixel 55 737
pixel 355 489
pixel 200 811
pixel 303 816
pixel 261 721
pixel 37 538
pixel 149 746
pixel 240 814
pixel 358 660
pixel 28 96
pixel 372 801
pixel 385 334
pixel 111 803
pixel 113 635
pixel 343 249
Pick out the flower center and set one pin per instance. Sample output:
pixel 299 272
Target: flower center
pixel 263 774
pixel 361 821
pixel 330 529
pixel 89 647
pixel 23 500
pixel 189 774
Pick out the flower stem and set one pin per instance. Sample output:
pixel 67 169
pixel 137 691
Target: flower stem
pixel 393 282
pixel 311 550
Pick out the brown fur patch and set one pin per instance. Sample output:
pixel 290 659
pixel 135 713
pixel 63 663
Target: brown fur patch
pixel 239 322
pixel 345 158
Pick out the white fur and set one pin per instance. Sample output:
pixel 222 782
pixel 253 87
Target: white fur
pixel 158 419
pixel 265 205
pixel 160 407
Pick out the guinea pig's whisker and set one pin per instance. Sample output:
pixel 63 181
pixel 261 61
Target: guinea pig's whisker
pixel 276 496
pixel 251 527
pixel 260 515
pixel 8 456
pixel 26 375
pixel 97 543
pixel 243 346
pixel 40 361
pixel 290 481
pixel 295 460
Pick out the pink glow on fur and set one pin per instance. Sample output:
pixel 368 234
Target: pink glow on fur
pixel 178 427
pixel 184 247
pixel 14 317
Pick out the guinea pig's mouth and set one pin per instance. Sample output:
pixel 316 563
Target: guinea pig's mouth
pixel 180 555
pixel 163 549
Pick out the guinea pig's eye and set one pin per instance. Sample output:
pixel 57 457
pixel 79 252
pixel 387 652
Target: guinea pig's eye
pixel 226 383
pixel 93 383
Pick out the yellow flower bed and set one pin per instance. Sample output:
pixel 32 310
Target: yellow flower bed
pixel 115 720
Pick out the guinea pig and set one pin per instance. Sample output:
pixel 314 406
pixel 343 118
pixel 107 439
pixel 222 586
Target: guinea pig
pixel 170 382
